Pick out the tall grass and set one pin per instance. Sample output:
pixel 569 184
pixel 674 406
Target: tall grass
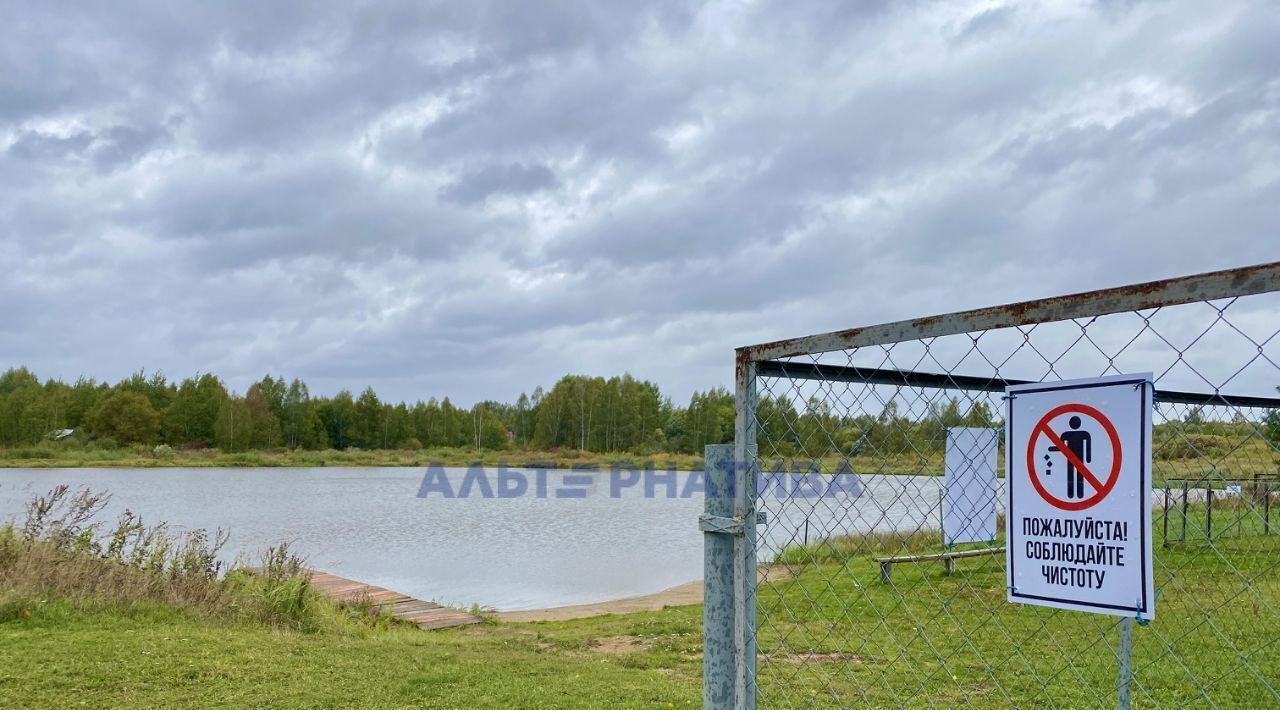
pixel 64 549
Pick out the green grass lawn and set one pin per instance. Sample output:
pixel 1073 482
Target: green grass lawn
pixel 832 634
pixel 150 656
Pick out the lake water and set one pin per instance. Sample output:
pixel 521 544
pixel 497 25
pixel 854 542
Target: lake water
pixel 530 551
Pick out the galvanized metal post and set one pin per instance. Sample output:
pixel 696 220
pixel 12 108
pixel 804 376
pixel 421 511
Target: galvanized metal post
pixel 744 443
pixel 1124 679
pixel 1184 511
pixel 1208 511
pixel 1266 511
pixel 719 660
pixel 1165 541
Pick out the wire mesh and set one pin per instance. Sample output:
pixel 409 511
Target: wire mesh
pixel 836 625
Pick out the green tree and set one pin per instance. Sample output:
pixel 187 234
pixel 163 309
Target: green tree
pixel 338 417
pixel 397 425
pixel 262 418
pixel 234 426
pixel 454 432
pixel 487 428
pixel 20 411
pixel 155 388
pixel 370 430
pixel 1270 426
pixel 709 420
pixel 194 412
pixel 127 417
pixel 84 397
pixel 275 391
pixel 980 415
pixel 426 419
pixel 300 421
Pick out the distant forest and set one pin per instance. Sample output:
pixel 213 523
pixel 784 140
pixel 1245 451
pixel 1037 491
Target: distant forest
pixel 618 414
pixel 587 413
pixel 595 414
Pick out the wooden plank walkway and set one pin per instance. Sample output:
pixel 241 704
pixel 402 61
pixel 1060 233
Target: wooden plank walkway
pixel 427 615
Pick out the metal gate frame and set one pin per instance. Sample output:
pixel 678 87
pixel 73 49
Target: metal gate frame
pixel 730 518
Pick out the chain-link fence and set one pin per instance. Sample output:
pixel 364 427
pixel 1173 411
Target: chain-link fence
pixel 861 600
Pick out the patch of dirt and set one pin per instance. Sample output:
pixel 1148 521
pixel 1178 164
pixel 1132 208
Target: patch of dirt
pixel 620 645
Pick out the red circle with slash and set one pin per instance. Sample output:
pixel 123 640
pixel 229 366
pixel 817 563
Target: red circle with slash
pixel 1100 488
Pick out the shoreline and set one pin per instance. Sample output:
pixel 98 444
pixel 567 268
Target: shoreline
pixel 687 594
pixel 390 458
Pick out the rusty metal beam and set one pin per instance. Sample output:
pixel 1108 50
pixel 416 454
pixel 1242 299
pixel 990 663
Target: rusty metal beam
pixel 1249 280
pixel 929 380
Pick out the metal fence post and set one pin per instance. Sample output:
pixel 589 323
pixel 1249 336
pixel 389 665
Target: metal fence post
pixel 1165 541
pixel 744 442
pixel 1184 511
pixel 718 657
pixel 1208 511
pixel 1124 678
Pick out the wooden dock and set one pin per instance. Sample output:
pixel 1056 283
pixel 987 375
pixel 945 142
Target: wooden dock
pixel 426 615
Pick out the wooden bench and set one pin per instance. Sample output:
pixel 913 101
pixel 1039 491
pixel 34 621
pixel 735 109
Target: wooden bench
pixel 948 558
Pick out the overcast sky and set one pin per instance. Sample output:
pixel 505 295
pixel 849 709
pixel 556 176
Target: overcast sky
pixel 474 198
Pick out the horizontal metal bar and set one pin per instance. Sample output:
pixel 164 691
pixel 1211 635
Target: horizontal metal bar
pixel 1249 280
pixel 721 524
pixel 930 380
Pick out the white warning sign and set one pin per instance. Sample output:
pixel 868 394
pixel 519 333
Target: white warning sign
pixel 1078 527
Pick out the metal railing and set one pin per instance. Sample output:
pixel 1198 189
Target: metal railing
pixel 798 611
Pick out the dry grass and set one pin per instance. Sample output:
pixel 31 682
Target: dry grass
pixel 63 550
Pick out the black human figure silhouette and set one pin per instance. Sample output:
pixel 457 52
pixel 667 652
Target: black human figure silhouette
pixel 1081 444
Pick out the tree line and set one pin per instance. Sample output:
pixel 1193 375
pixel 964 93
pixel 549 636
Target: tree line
pixel 616 414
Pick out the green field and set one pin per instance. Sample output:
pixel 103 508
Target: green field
pixel 833 634
pixel 79 628
pixel 149 656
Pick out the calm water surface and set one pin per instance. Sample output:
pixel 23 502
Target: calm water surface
pixel 505 553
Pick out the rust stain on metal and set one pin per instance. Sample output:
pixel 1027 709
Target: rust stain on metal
pixel 1260 278
pixel 424 614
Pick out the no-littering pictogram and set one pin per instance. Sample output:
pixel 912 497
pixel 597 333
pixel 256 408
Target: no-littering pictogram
pixel 1066 431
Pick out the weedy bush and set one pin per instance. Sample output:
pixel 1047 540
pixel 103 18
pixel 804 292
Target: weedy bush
pixel 278 591
pixel 63 549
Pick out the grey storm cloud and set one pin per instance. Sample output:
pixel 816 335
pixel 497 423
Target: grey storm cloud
pixel 513 179
pixel 473 199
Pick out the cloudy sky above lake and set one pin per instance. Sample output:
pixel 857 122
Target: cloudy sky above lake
pixel 474 198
